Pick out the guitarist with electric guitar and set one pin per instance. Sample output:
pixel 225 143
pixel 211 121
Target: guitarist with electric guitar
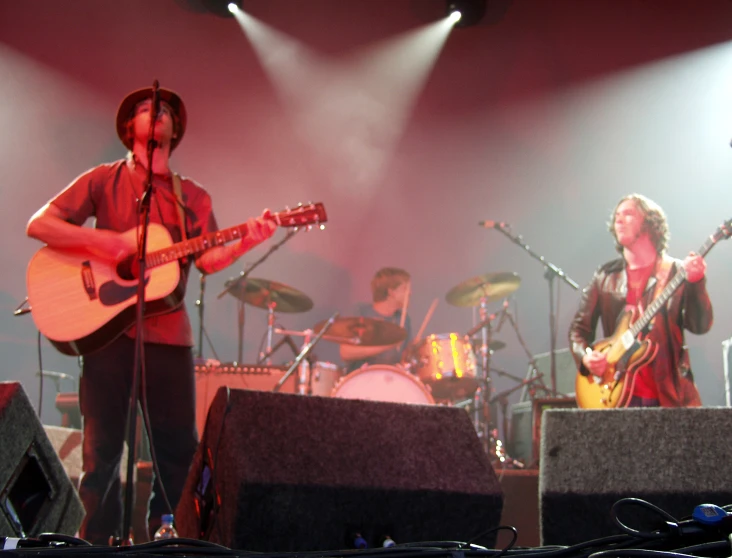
pixel 83 290
pixel 645 301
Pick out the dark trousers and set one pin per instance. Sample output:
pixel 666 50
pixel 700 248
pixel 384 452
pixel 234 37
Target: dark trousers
pixel 636 401
pixel 104 393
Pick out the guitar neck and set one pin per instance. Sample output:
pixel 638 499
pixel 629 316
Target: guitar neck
pixel 654 307
pixel 195 245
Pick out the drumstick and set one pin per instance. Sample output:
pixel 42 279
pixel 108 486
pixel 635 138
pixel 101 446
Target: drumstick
pixel 426 319
pixel 405 304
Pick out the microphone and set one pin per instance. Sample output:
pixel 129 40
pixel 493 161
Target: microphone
pixel 493 224
pixel 57 375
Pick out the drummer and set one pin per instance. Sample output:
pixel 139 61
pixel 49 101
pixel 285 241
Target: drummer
pixel 390 290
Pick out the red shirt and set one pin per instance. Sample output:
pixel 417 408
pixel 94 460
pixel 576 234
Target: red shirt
pixel 109 193
pixel 644 385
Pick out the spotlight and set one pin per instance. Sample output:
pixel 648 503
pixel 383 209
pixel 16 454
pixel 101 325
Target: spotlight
pixel 221 8
pixel 454 17
pixel 465 12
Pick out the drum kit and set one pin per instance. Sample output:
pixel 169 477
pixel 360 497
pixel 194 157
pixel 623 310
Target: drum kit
pixel 442 368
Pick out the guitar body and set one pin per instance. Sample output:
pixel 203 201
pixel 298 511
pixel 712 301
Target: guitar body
pixel 625 355
pixel 80 302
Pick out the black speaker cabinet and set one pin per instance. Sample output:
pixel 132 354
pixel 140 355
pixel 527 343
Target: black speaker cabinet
pixel 285 472
pixel 675 459
pixel 37 495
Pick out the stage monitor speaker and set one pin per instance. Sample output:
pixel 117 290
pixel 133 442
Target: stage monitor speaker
pixel 37 495
pixel 675 459
pixel 284 472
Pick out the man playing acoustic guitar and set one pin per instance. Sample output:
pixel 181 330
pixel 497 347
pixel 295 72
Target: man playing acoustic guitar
pixel 648 367
pixel 110 193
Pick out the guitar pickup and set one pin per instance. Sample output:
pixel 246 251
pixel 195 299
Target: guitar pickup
pixel 87 278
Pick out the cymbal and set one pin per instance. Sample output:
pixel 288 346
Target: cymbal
pixel 496 345
pixel 262 293
pixel 491 286
pixel 357 330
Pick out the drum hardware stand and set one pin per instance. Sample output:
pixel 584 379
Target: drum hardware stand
pixel 482 420
pixel 550 273
pixel 537 377
pixel 267 353
pixel 502 399
pixel 242 279
pixel 305 351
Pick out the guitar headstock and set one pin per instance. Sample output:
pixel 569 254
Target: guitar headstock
pixel 302 215
pixel 724 231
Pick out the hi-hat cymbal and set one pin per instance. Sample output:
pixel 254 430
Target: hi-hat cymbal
pixel 490 286
pixel 262 293
pixel 368 332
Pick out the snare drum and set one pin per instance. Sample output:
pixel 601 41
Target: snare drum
pixel 381 382
pixel 323 378
pixel 445 362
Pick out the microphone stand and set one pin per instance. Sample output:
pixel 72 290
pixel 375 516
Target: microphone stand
pixel 551 272
pixel 242 279
pixel 295 365
pixel 201 329
pixel 139 358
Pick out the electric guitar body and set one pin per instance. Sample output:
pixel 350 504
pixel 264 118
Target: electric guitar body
pixel 615 387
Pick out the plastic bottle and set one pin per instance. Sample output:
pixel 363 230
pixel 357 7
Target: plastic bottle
pixel 166 530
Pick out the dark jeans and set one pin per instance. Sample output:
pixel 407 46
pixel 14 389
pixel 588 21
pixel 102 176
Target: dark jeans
pixel 104 393
pixel 636 401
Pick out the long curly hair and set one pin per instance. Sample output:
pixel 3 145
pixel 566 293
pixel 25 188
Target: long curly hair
pixel 654 222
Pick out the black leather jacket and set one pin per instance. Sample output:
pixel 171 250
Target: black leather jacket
pixel 688 308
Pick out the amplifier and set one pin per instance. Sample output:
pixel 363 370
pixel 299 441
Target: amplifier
pixel 212 375
pixel 215 367
pixel 526 426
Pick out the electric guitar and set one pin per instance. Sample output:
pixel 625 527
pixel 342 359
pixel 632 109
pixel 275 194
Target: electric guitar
pixel 81 302
pixel 627 350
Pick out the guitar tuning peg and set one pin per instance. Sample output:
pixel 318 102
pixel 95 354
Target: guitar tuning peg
pixel 299 204
pixel 309 228
pixel 321 227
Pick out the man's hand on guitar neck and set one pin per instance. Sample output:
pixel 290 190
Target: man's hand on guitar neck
pixel 595 362
pixel 695 267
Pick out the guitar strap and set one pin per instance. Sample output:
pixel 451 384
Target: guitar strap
pixel 180 205
pixel 663 271
pixel 177 190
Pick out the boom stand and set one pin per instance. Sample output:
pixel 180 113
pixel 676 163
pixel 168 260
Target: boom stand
pixel 551 272
pixel 201 329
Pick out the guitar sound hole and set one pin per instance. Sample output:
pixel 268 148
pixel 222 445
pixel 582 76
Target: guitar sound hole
pixel 127 268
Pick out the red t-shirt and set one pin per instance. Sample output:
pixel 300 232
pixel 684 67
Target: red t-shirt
pixel 109 193
pixel 645 385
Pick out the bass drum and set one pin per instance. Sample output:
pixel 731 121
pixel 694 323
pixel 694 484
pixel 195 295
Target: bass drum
pixel 381 382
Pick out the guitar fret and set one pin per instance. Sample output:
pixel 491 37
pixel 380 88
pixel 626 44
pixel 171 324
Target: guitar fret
pixel 674 284
pixel 301 216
